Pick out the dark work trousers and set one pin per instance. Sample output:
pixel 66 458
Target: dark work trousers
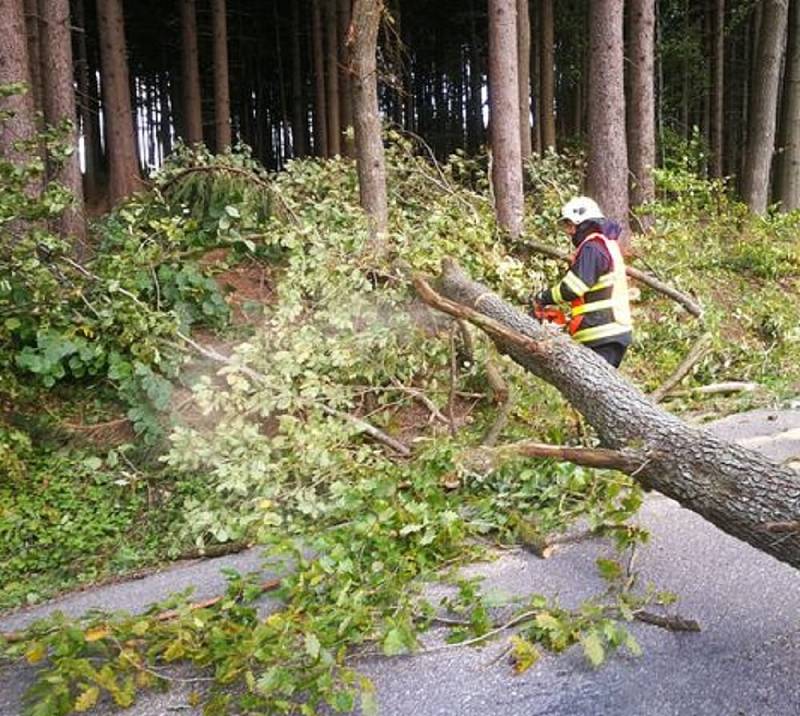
pixel 612 353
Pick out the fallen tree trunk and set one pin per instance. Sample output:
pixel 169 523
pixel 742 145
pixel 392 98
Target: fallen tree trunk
pixel 738 490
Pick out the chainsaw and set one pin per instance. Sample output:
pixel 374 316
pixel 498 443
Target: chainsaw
pixel 549 314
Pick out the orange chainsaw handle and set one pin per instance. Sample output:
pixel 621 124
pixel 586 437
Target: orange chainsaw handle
pixel 549 314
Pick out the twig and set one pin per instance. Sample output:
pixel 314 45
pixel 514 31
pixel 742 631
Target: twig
pixel 671 623
pixel 451 398
pixel 362 425
pixel 266 586
pixel 466 340
pixel 733 386
pixel 688 303
pixel 699 349
pixel 502 395
pixel 419 395
pixel 519 619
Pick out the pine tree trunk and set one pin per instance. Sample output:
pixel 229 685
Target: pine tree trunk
pixel 20 124
pixel 536 74
pixel 283 128
pixel 607 175
pixel 764 105
pixel 190 71
pixel 738 490
pixel 789 196
pixel 332 78
pixel 475 102
pixel 547 75
pixel 504 115
pixel 120 137
pixel 371 164
pixel 321 148
pixel 87 105
pixel 345 93
pixel 299 145
pixel 33 29
pixel 641 112
pixel 717 88
pixel 58 95
pixel 524 77
pixel 222 100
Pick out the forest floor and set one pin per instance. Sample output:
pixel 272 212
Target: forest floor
pixel 743 661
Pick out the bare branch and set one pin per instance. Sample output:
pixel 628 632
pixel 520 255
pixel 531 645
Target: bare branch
pixel 692 358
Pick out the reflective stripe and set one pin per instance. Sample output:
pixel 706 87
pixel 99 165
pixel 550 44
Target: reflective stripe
pixel 573 283
pixel 604 281
pixel 604 331
pixel 557 294
pixel 593 306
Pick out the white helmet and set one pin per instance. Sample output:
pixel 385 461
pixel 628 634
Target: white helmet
pixel 580 209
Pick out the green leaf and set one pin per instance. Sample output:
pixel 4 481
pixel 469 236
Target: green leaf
pixel 610 569
pixel 87 699
pixel 312 645
pixel 593 648
pixel 394 643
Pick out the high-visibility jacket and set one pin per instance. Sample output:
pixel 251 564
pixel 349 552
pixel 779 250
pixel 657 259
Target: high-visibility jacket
pixel 599 301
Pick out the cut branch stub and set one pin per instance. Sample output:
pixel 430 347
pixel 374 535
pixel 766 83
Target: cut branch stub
pixel 734 488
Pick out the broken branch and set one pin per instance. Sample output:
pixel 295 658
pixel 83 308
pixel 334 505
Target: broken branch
pixel 693 357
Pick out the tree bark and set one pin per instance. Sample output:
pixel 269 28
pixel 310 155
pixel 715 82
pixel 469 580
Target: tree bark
pixel 190 70
pixel 607 175
pixel 332 78
pixel 475 131
pixel 120 137
pixel 371 164
pixel 536 73
pixel 764 105
pixel 717 89
pixel 789 195
pixel 222 99
pixel 642 109
pixel 321 148
pixel 32 29
pixel 738 490
pixel 504 116
pixel 58 96
pixel 524 77
pixel 299 144
pixel 19 125
pixel 345 92
pixel 88 107
pixel 547 75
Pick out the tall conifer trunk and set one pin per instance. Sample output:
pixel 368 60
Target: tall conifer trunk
pixel 547 75
pixel 764 105
pixel 123 164
pixel 321 148
pixel 371 163
pixel 607 175
pixel 58 97
pixel 190 71
pixel 222 99
pixel 504 115
pixel 524 77
pixel 641 111
pixel 332 77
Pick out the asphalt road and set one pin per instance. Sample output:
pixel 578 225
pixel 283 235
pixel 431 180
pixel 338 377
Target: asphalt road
pixel 744 662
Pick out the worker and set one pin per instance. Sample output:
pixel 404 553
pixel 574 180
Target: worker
pixel 595 286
